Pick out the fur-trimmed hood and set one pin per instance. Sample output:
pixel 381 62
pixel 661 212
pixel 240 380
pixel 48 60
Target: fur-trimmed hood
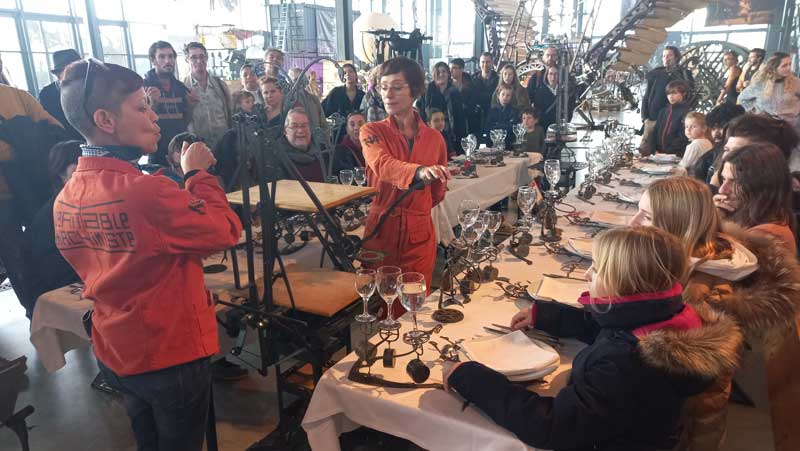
pixel 764 303
pixel 706 352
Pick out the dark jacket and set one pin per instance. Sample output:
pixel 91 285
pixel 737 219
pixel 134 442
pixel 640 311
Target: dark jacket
pixel 27 174
pixel 173 112
pixel 348 156
pixel 704 168
pixel 669 135
pixel 503 117
pixel 50 98
pixel 648 353
pixel 449 102
pixel 482 91
pixel 470 105
pixel 338 102
pixel 47 269
pixel 534 141
pixel 536 80
pixel 655 96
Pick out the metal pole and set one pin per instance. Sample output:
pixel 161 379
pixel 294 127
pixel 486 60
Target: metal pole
pixel 94 30
pixel 344 29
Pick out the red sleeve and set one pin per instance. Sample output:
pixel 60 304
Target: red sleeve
pixel 379 158
pixel 438 188
pixel 195 220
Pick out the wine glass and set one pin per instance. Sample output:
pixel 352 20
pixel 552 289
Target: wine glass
pixel 495 136
pixel 552 170
pixel 467 213
pixel 360 175
pixel 346 176
pixel 365 286
pixel 468 144
pixel 519 132
pixel 387 281
pixel 503 134
pixel 492 219
pixel 526 199
pixel 473 233
pixel 412 296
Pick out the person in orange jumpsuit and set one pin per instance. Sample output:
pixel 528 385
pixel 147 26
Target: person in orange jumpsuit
pixel 400 151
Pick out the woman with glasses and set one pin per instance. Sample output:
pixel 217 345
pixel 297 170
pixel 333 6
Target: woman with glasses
pixel 403 153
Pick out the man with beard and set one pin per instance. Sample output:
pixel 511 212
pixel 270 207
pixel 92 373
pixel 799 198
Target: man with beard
pixel 296 142
pixel 538 78
pixel 484 82
pixel 211 116
pixel 655 97
pixel 754 60
pixel 171 100
pixel 717 122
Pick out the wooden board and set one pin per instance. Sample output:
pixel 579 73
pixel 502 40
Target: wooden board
pixel 633 58
pixel 640 45
pixel 292 197
pixel 657 35
pixel 319 291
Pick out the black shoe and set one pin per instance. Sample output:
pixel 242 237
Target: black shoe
pixel 223 370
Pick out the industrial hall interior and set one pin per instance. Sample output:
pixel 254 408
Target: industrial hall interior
pixel 399 225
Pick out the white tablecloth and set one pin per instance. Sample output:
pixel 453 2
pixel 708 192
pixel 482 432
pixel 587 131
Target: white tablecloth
pixel 492 185
pixel 431 418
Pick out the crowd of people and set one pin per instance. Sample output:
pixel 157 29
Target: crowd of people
pixel 709 261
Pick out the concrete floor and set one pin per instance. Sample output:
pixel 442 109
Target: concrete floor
pixel 70 415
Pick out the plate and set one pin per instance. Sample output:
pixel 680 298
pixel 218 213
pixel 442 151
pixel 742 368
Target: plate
pixel 610 218
pixel 665 158
pixel 532 376
pixel 512 354
pixel 565 291
pixel 581 247
pixel 657 170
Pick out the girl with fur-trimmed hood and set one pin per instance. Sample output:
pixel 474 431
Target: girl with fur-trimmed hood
pixel 649 352
pixel 746 275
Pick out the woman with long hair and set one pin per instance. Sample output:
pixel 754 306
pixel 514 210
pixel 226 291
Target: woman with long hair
pixel 520 99
pixel 729 93
pixel 648 352
pixel 731 271
pixel 441 94
pixel 774 90
pixel 756 192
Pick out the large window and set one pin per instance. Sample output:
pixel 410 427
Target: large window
pixel 47 37
pixel 11 53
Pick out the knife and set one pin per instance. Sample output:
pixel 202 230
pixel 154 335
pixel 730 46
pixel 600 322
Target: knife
pixel 550 341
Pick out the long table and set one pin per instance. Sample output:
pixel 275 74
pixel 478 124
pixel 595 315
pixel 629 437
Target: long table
pixel 431 418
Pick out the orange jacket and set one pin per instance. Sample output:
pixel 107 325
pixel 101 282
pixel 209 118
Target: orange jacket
pixel 408 234
pixel 137 241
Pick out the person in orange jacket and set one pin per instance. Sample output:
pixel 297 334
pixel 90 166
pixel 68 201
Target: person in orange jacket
pixel 400 151
pixel 137 241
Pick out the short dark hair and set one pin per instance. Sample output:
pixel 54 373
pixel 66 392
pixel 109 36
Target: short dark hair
pixel 61 156
pixel 764 185
pixel 432 111
pixel 245 66
pixel 681 86
pixel 350 65
pixel 443 65
pixel 457 62
pixel 355 113
pixel 239 95
pixel 764 128
pixel 675 51
pixel 410 69
pixel 720 115
pixel 111 86
pixel 194 45
pixel 760 52
pixel 160 45
pixel 487 54
pixel 533 111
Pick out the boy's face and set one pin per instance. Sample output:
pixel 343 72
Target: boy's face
pixel 674 97
pixel 246 104
pixel 504 97
pixel 529 122
pixel 437 121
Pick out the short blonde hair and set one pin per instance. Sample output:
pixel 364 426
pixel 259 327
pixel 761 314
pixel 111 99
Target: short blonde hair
pixel 633 260
pixel 684 207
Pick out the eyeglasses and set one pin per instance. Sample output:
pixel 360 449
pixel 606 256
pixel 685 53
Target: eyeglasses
pixel 397 89
pixel 88 83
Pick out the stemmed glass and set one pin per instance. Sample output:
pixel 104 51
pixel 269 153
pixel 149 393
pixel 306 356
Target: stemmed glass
pixel 473 233
pixel 412 296
pixel 519 132
pixel 468 143
pixel 360 175
pixel 526 199
pixel 552 170
pixel 365 286
pixel 388 281
pixel 492 219
pixel 467 213
pixel 346 176
pixel 497 136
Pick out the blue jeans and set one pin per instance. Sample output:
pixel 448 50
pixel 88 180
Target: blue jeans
pixel 168 408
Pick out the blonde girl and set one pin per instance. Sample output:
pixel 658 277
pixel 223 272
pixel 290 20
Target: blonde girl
pixel 699 136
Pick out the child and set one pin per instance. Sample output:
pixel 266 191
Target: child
pixel 668 135
pixel 699 136
pixel 244 101
pixel 649 352
pixel 173 170
pixel 436 120
pixel 503 116
pixel 534 134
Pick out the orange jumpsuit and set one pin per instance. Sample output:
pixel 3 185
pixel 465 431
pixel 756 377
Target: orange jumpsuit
pixel 407 236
